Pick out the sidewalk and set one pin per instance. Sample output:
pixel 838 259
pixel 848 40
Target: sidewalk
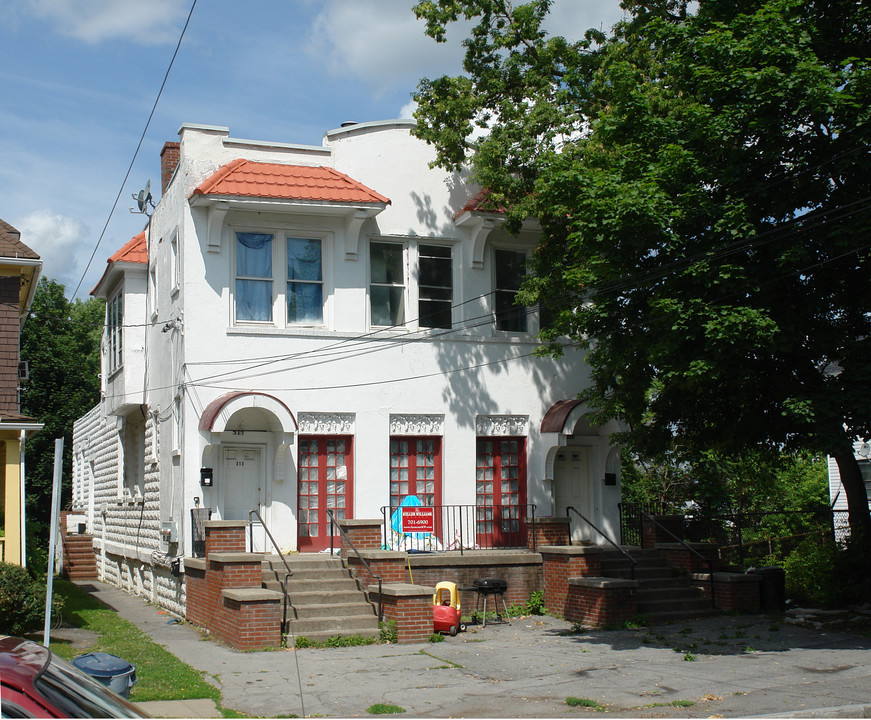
pixel 726 667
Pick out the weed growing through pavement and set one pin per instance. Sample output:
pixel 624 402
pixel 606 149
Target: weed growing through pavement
pixel 584 702
pixel 384 709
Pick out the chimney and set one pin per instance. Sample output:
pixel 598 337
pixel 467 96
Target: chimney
pixel 169 157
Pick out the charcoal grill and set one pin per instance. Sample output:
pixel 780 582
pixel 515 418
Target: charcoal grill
pixel 490 587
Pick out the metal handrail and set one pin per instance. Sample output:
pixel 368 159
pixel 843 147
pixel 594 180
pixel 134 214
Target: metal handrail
pixel 633 562
pixel 277 550
pixel 363 560
pixel 708 561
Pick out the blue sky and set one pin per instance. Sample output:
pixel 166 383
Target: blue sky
pixel 79 78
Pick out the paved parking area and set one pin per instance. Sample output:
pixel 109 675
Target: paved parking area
pixel 724 667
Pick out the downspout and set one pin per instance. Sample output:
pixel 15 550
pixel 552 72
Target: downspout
pixel 21 439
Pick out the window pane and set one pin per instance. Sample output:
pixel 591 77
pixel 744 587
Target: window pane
pixel 305 303
pixel 254 300
pixel 386 263
pixel 253 255
pixel 304 259
pixel 388 307
pixel 510 270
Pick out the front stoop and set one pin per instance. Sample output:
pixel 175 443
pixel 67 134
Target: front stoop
pixel 79 562
pixel 324 598
pixel 664 593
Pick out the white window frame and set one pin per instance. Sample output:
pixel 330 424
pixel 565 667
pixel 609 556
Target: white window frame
pixel 174 264
pixel 115 333
pixel 280 235
pixel 528 317
pixel 411 280
pixel 152 288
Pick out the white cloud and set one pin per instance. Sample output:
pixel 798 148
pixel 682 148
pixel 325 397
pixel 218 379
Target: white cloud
pixel 381 43
pixel 406 112
pixel 147 22
pixel 59 241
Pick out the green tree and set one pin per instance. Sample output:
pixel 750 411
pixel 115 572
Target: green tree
pixel 703 183
pixel 61 341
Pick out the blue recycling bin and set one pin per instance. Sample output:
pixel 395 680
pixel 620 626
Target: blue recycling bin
pixel 116 674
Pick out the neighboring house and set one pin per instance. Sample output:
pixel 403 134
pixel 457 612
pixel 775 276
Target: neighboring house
pixel 837 496
pixel 19 272
pixel 309 327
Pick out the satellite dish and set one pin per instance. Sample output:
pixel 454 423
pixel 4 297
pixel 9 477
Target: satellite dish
pixel 143 199
pixel 864 449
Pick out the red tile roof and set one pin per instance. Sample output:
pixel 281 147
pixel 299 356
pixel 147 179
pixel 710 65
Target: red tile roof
pixel 134 251
pixel 247 178
pixel 481 203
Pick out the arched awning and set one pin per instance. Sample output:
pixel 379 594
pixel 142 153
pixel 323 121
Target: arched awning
pixel 219 411
pixel 554 420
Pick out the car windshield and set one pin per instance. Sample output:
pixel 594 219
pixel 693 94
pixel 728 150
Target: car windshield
pixel 80 696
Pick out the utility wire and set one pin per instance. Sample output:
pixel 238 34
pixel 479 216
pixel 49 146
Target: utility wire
pixel 136 153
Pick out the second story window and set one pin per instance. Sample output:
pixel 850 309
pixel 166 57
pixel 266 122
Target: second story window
pixel 253 277
pixel 114 332
pixel 435 286
pixel 510 269
pixel 387 283
pixel 305 281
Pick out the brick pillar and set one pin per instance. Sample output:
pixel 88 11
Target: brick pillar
pixel 548 531
pixel 223 536
pixel 364 534
pixel 600 601
pixel 561 563
pixel 410 607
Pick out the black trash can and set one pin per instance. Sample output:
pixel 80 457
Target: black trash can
pixel 772 588
pixel 116 674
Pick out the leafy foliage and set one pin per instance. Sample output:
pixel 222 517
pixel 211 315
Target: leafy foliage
pixel 22 601
pixel 701 176
pixel 61 341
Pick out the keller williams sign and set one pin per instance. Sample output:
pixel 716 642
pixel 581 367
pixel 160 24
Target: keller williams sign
pixel 418 520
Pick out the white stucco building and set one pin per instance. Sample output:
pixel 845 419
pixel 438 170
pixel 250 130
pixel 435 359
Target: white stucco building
pixel 301 327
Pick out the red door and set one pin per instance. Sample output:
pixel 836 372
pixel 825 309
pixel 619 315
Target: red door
pixel 500 492
pixel 325 482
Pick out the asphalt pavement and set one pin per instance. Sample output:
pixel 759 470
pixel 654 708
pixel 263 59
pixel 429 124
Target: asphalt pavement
pixel 734 666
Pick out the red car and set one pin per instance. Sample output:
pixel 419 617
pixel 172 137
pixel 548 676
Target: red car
pixel 35 683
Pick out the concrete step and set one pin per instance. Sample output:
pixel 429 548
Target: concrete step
pixel 322 628
pixel 335 610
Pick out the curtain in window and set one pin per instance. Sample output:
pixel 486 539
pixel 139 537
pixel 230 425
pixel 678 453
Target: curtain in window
pixel 305 281
pixel 253 260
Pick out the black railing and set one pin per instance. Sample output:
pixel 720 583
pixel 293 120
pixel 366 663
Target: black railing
pixel 335 526
pixel 446 528
pixel 707 561
pixel 630 519
pixel 288 572
pixel 632 561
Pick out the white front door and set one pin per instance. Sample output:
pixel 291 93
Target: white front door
pixel 572 488
pixel 243 482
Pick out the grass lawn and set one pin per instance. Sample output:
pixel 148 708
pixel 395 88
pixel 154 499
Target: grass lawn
pixel 160 675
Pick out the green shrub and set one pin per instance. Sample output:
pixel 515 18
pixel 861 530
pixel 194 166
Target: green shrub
pixel 22 601
pixel 826 575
